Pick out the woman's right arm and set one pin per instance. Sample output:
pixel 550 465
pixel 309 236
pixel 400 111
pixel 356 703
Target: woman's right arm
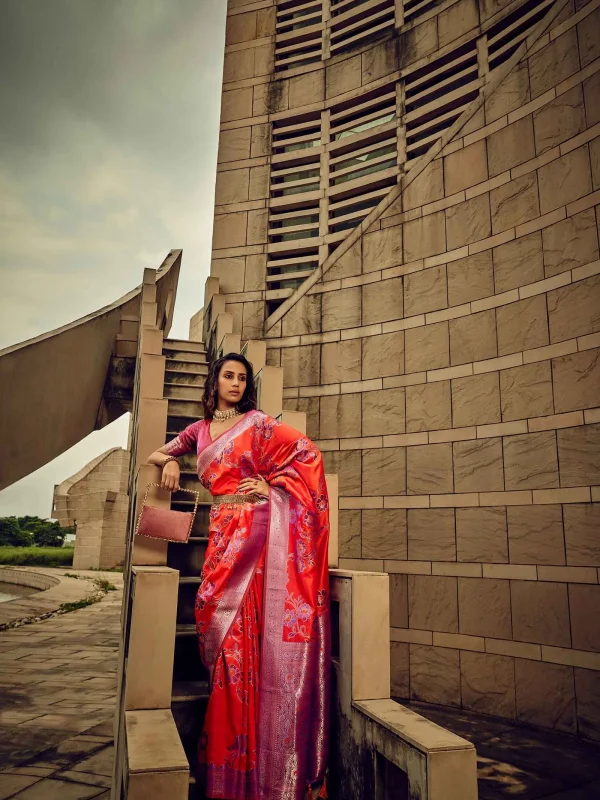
pixel 170 468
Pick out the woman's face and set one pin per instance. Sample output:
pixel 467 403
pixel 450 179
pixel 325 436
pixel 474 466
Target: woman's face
pixel 232 382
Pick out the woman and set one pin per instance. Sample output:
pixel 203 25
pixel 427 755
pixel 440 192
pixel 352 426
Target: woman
pixel 262 608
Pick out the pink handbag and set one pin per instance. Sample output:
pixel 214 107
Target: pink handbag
pixel 165 524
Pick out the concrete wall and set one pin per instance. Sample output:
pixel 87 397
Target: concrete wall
pixel 447 351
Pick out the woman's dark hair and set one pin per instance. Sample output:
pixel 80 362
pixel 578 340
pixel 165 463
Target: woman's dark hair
pixel 210 397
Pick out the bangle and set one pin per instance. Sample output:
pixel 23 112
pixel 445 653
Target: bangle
pixel 166 461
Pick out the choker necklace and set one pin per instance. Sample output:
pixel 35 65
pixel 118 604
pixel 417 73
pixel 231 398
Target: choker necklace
pixel 221 416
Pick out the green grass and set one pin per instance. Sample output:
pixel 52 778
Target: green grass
pixel 37 556
pixel 104 585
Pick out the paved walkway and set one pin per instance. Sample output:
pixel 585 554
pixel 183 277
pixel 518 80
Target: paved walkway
pixel 57 699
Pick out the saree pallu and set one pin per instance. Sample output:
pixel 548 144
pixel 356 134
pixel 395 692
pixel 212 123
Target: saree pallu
pixel 262 612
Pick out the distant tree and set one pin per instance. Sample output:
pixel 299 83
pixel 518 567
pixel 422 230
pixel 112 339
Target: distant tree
pixel 12 535
pixel 49 534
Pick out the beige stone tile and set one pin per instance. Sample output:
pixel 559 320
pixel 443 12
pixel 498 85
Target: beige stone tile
pixel 424 237
pixel 425 291
pixel 473 338
pixel 511 146
pixel 511 94
pixel 481 534
pixel 540 613
pixel 514 203
pixel 434 675
pixel 568 574
pixel 582 524
pixel 427 347
pixel 470 278
pixel 455 568
pixel 236 104
pixel 488 684
pixel 398 599
pixel 383 412
pixel 579 455
pixel 484 607
pixel 340 416
pixel 431 534
pixel 475 400
pixel 11 784
pixel 232 186
pixel 399 669
pixel 306 89
pixel 234 145
pixel 468 222
pixel 301 365
pixel 382 249
pixel 503 647
pixel 343 76
pixel 554 63
pixel 427 187
pixel 304 317
pixel 382 301
pixel 530 461
pixel 522 325
pixel 378 61
pixel 478 465
pixel 384 533
pixel 347 465
pixel 518 262
pixel 587 687
pixel 50 789
pixel 545 695
pixel 526 391
pixel 341 309
pixel 564 180
pixel 432 603
pixel 591 95
pixel 429 469
pixel 559 120
pixel 576 380
pixel 467 167
pixel 584 605
pixel 383 355
pixel 340 361
pixel 595 161
pixel 574 310
pixel 350 534
pixel 588 33
pixel 428 406
pixel 535 535
pixel 384 471
pixel 229 230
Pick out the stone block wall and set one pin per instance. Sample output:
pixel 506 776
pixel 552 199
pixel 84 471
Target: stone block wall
pixel 447 349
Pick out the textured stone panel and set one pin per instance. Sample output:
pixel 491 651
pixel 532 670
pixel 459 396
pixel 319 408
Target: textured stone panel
pixel 473 338
pixel 522 325
pixel 574 310
pixel 238 65
pixel 257 226
pixel 564 180
pixel 434 675
pixel 256 270
pixel 587 689
pixel 468 222
pixel 456 20
pixel 470 278
pixel 511 94
pixel 530 461
pixel 429 469
pixel 236 104
pixel 595 161
pixel 511 146
pixel 576 381
pixel 432 603
pixel 349 534
pixel 588 34
pixel 230 272
pixel 559 120
pixel 304 316
pixel 540 612
pixel 515 202
pixel 481 535
pixel 383 412
pixel 399 670
pixel 398 597
pixel 254 318
pixel 584 604
pixel 259 183
pixel 301 365
pixel 518 262
pixel 431 534
pixel 240 28
pixel 478 466
pixel 424 237
pixel 382 249
pixel 308 406
pixel 466 167
pixel 383 355
pixel 425 291
pixel 260 143
pixel 535 535
pixel 428 407
pixel 341 309
pixel 340 416
pixel 582 534
pixel 488 684
pixel 340 361
pixel 591 96
pixel 427 187
pixel 545 695
pixel 234 145
pixel 427 347
pixel 347 465
pixel 382 301
pixel 229 230
pixel 384 533
pixel 347 265
pixel 579 455
pixel 570 243
pixel 384 471
pixel 307 89
pixel 553 63
pixel 343 76
pixel 526 391
pixel 484 607
pixel 475 400
pixel 379 60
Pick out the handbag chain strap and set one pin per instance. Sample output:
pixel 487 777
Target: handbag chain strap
pixel 190 491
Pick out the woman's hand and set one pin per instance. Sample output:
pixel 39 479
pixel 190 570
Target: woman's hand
pixel 255 485
pixel 170 476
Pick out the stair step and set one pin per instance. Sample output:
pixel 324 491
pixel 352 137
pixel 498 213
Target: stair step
pixel 174 377
pixel 185 408
pixel 185 630
pixel 190 579
pixel 185 356
pixel 184 344
pixel 182 391
pixel 177 365
pixel 184 691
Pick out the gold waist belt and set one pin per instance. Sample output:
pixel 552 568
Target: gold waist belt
pixel 236 499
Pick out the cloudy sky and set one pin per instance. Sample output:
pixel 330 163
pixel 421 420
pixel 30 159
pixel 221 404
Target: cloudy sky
pixel 108 141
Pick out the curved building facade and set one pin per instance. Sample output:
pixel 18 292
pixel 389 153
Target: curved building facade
pixel 407 210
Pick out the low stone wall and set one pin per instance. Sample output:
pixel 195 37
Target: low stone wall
pixel 23 577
